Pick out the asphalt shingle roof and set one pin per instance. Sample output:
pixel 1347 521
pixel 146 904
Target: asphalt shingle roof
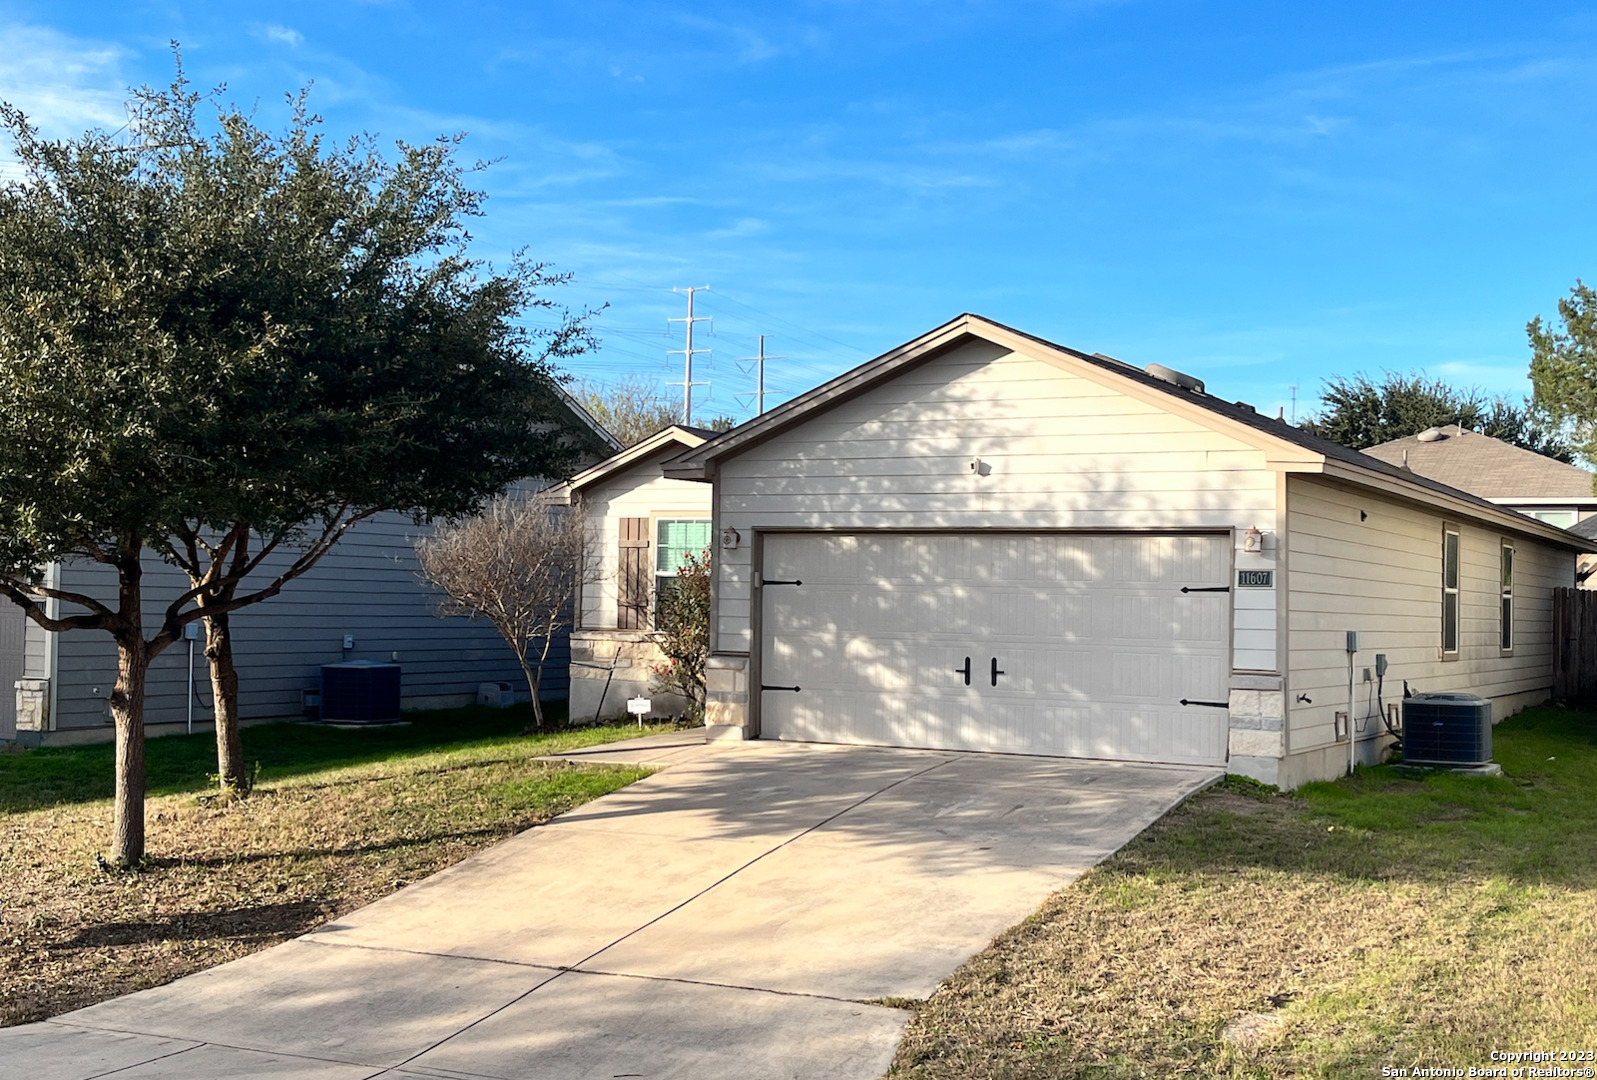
pixel 1486 466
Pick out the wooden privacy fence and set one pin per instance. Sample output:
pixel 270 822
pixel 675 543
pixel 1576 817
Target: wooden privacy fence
pixel 1575 646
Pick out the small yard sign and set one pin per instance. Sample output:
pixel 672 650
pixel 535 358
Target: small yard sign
pixel 639 707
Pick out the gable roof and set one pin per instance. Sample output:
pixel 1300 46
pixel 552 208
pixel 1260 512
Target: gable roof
pixel 1486 466
pixel 601 435
pixel 663 443
pixel 1287 447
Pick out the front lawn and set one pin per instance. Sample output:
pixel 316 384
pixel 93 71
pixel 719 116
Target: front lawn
pixel 338 819
pixel 1388 920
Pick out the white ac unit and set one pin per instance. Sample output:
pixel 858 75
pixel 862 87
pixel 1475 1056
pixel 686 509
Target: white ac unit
pixel 495 695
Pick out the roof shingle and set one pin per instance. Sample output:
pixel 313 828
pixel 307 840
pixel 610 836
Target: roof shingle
pixel 1485 466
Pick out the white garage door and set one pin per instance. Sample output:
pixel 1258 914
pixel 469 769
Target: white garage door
pixel 1094 646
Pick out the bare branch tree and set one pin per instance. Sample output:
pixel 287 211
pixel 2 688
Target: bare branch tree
pixel 518 564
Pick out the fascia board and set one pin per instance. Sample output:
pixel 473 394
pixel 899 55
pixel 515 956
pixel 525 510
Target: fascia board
pixel 660 440
pixel 696 465
pixel 1280 453
pixel 1504 519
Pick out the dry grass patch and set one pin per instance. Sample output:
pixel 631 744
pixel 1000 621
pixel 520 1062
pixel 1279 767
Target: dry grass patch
pixel 230 878
pixel 1383 921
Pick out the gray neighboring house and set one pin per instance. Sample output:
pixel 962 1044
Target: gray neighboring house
pixel 366 589
pixel 1510 476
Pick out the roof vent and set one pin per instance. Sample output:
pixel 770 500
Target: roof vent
pixel 1175 378
pixel 1431 434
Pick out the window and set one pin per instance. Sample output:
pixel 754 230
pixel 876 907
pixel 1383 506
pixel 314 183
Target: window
pixel 674 539
pixel 1449 590
pixel 1563 519
pixel 1508 596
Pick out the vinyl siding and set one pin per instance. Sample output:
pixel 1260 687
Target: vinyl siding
pixel 366 586
pixel 640 492
pixel 1383 577
pixel 1064 451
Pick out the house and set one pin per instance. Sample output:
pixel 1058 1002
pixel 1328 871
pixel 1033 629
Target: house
pixel 641 523
pixel 981 540
pixel 363 601
pixel 1508 475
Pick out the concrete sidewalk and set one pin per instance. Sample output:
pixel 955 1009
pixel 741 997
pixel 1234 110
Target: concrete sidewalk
pixel 728 917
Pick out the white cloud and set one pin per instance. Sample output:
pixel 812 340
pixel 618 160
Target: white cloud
pixel 65 85
pixel 273 34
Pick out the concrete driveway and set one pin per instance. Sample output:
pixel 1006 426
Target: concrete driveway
pixel 731 916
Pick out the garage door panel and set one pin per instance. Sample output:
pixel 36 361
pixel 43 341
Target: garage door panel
pixel 1096 642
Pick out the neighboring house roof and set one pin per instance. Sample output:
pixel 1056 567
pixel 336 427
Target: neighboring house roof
pixel 667 441
pixel 1586 527
pixel 1285 446
pixel 1486 466
pixel 585 418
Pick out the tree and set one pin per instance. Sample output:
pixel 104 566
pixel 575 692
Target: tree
pixel 1361 412
pixel 1563 366
pixel 223 346
pixel 519 565
pixel 682 631
pixel 632 408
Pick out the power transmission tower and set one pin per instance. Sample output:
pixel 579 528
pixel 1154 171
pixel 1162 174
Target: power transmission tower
pixel 759 382
pixel 687 353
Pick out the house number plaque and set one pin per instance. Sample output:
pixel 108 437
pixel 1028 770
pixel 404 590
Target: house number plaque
pixel 1255 579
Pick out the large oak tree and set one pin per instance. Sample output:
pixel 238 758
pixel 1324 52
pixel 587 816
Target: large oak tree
pixel 224 347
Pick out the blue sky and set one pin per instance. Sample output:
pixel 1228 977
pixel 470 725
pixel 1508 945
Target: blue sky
pixel 1261 194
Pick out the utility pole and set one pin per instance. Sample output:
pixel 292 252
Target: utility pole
pixel 687 353
pixel 759 361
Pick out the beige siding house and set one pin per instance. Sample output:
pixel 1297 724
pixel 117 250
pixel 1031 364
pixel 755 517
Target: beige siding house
pixel 640 523
pixel 984 541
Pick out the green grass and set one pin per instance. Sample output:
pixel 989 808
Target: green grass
pixel 174 764
pixel 338 818
pixel 1392 918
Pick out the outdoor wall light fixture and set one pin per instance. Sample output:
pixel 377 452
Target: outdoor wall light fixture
pixel 730 538
pixel 1253 539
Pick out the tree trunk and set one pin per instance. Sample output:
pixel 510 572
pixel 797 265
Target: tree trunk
pixel 127 710
pixel 532 684
pixel 230 771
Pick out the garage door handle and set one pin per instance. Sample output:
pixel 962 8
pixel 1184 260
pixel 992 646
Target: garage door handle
pixel 794 689
pixel 965 671
pixel 996 672
pixel 1208 704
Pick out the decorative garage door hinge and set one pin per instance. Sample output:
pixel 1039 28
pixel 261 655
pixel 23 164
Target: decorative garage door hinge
pixel 792 688
pixel 766 581
pixel 1209 704
pixel 1205 588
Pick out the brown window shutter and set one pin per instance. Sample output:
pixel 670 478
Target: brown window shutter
pixel 633 576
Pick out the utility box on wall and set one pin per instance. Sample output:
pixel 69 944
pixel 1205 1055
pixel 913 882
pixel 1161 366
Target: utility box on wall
pixel 360 692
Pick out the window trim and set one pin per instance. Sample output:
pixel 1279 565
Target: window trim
pixel 1506 608
pixel 1454 591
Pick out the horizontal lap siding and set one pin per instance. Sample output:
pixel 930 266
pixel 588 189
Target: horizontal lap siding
pixel 1383 577
pixel 367 586
pixel 640 492
pixel 1064 451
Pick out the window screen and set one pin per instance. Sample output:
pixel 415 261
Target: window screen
pixel 675 538
pixel 1449 591
pixel 1508 596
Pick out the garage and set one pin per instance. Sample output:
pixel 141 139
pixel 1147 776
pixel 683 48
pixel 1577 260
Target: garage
pixel 1099 646
pixel 984 541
